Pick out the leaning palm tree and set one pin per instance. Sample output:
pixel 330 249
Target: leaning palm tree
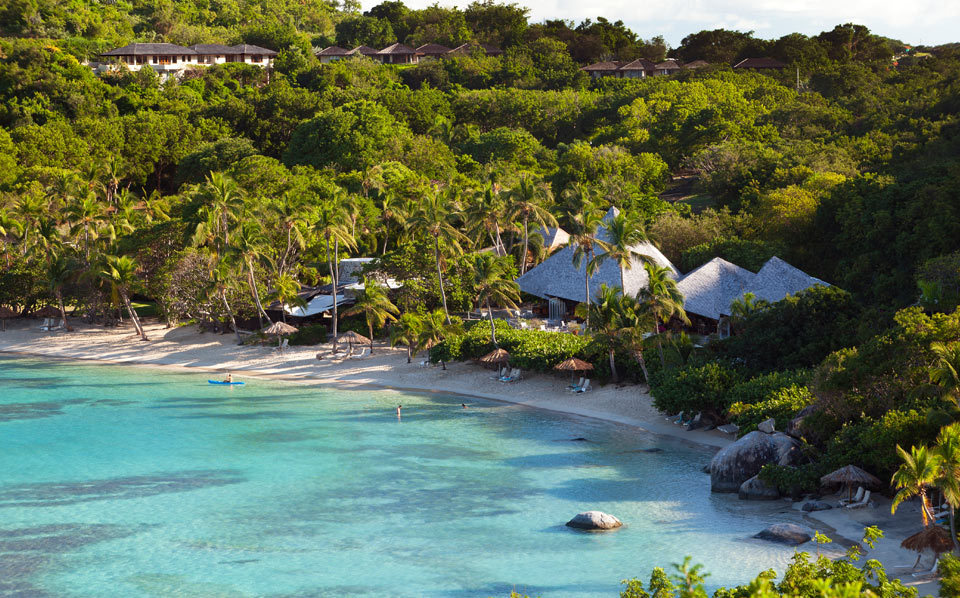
pixel 945 371
pixel 435 218
pixel 636 321
pixel 121 273
pixel 248 245
pixel 286 291
pixel 585 243
pixel 608 323
pixel 436 326
pixel 948 480
pixel 60 271
pixel 332 227
pixel 407 331
pixel 661 299
pixel 376 307
pixel 493 284
pixel 527 201
pixel 917 473
pixel 624 232
pixel 484 215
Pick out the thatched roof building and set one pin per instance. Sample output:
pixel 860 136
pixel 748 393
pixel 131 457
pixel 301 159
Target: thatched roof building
pixel 553 238
pixel 557 277
pixel 710 289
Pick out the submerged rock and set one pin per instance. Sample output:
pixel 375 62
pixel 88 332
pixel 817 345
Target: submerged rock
pixel 816 505
pixel 596 520
pixel 757 489
pixel 736 463
pixel 786 533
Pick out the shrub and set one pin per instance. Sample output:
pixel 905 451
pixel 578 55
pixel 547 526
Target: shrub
pixel 781 405
pixel 761 388
pixel 949 571
pixel 695 388
pixel 313 334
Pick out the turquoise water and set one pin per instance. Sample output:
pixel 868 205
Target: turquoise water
pixel 129 481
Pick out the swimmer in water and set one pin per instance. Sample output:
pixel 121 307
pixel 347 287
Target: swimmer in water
pixel 399 407
pixel 464 405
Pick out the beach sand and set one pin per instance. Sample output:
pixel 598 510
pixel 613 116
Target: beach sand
pixel 387 367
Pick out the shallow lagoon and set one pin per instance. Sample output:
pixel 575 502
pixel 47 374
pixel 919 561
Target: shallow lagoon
pixel 129 481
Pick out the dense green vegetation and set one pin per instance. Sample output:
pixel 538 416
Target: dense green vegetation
pixel 218 193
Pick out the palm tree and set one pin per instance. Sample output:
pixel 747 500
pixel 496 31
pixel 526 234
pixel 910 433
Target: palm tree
pixel 636 321
pixel 291 223
pixel 287 292
pixel 661 299
pixel 435 218
pixel 624 233
pixel 222 210
pixel 919 471
pixel 85 216
pixel 331 226
pixel 608 322
pixel 247 244
pixel 584 241
pixel 945 371
pixel 483 216
pixel 376 307
pixel 393 210
pixel 121 273
pixel 407 331
pixel 10 228
pixel 59 272
pixel 436 326
pixel 493 285
pixel 221 280
pixel 527 201
pixel 948 480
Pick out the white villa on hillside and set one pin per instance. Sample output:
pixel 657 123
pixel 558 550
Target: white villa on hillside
pixel 172 59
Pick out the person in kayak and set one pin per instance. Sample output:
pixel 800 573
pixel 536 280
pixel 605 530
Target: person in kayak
pixel 229 378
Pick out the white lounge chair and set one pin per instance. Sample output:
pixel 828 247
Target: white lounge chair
pixel 425 363
pixel 361 354
pixel 586 386
pixel 513 376
pixel 856 498
pixel 577 385
pixel 283 346
pixel 863 503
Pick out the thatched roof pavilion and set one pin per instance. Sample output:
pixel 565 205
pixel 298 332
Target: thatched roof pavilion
pixel 710 289
pixel 495 356
pixel 573 365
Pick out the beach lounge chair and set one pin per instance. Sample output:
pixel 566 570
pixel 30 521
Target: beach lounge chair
pixel 512 377
pixel 586 386
pixel 856 498
pixel 577 385
pixel 863 502
pixel 364 353
pixel 425 363
pixel 283 346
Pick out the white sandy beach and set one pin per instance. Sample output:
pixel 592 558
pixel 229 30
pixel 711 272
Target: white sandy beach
pixel 185 347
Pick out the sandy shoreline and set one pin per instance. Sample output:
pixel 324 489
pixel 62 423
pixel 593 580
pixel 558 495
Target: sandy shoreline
pixel 185 348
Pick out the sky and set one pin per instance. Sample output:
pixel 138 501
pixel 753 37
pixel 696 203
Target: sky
pixel 917 22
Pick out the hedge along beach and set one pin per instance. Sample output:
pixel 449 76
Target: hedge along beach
pixel 186 348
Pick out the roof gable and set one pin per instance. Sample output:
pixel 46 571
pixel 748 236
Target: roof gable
pixel 397 48
pixel 333 51
pixel 138 49
pixel 777 279
pixel 709 290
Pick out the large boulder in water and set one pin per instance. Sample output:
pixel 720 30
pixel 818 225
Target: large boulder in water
pixel 757 489
pixel 786 533
pixel 594 520
pixel 736 463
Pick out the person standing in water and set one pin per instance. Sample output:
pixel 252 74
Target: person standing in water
pixel 399 407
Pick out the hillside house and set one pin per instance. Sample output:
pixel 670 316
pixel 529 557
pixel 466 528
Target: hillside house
pixel 637 69
pixel 398 54
pixel 173 59
pixel 332 54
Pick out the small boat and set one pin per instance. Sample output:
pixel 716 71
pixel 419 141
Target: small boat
pixel 224 382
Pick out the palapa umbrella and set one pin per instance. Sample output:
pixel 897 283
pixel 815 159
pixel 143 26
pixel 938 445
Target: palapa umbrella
pixel 851 475
pixel 495 356
pixel 934 538
pixel 279 329
pixel 47 311
pixel 573 365
pixel 353 337
pixel 5 313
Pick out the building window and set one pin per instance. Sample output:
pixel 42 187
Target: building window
pixel 256 59
pixel 154 60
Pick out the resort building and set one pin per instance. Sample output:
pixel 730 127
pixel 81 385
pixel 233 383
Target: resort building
pixel 561 283
pixel 760 63
pixel 637 69
pixel 173 59
pixel 709 290
pixel 332 54
pixel 401 54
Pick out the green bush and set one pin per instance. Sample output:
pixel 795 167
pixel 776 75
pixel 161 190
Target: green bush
pixel 761 388
pixel 949 571
pixel 314 334
pixel 782 405
pixel 695 388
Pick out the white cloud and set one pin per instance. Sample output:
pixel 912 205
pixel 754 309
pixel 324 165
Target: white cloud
pixel 918 21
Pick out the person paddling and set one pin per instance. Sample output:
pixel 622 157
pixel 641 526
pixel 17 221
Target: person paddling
pixel 229 378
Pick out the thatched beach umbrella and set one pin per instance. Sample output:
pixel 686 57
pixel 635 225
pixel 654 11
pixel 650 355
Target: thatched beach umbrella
pixel 573 365
pixel 5 314
pixel 279 329
pixel 933 538
pixel 495 356
pixel 47 311
pixel 352 337
pixel 851 475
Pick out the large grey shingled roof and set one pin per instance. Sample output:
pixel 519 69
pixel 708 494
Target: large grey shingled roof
pixel 558 277
pixel 710 289
pixel 150 49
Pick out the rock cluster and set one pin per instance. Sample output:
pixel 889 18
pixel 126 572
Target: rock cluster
pixel 594 520
pixel 786 533
pixel 738 462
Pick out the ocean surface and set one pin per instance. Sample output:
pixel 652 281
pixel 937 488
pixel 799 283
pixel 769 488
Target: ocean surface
pixel 121 481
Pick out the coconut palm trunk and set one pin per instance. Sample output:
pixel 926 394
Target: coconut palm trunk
pixel 493 329
pixel 233 321
pixel 255 292
pixel 638 355
pixel 526 244
pixel 133 314
pixel 443 294
pixel 613 365
pixel 63 311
